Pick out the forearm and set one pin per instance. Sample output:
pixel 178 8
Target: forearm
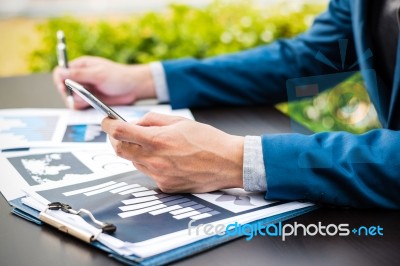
pixel 334 168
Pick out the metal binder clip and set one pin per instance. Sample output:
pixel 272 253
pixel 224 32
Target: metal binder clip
pixel 105 227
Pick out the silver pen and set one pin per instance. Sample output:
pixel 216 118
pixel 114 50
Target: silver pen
pixel 63 62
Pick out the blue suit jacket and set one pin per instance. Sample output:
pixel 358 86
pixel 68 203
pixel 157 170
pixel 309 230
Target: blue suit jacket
pixel 335 168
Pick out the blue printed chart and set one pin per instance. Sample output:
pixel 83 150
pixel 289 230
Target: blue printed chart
pixel 28 128
pixel 133 203
pixel 33 128
pixel 84 133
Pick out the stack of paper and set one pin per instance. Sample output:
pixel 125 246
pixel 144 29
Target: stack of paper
pixel 70 161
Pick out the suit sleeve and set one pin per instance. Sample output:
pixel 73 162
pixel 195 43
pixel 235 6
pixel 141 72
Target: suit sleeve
pixel 337 168
pixel 258 76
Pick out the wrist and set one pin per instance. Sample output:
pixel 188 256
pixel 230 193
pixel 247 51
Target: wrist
pixel 143 83
pixel 235 152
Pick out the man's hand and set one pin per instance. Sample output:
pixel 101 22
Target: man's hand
pixel 113 83
pixel 181 155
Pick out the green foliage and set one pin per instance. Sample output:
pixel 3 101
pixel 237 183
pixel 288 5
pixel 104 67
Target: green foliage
pixel 221 27
pixel 180 31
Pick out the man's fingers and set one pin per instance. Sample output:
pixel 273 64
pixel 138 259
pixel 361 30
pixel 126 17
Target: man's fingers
pixel 114 100
pixel 83 75
pixel 129 151
pixel 79 70
pixel 124 131
pixel 156 119
pixel 79 103
pixel 59 75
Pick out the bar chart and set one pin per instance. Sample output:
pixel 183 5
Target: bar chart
pixel 133 203
pixel 147 201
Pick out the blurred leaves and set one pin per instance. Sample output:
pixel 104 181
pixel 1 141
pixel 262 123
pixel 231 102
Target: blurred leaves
pixel 182 31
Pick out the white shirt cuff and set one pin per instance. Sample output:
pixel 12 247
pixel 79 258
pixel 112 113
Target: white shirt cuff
pixel 254 176
pixel 160 81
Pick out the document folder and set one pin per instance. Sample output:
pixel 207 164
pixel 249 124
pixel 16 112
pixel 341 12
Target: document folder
pixel 155 232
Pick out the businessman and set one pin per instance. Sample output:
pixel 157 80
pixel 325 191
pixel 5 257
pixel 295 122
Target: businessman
pixel 336 168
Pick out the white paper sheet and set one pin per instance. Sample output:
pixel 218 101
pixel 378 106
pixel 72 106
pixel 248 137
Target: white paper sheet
pixel 49 168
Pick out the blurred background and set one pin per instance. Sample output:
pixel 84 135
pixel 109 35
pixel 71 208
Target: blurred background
pixel 130 31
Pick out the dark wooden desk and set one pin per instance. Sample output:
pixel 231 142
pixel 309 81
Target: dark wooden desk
pixel 23 243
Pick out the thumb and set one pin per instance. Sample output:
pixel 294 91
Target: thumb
pixel 157 119
pixel 59 75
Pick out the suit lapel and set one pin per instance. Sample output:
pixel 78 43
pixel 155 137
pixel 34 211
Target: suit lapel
pixel 379 93
pixel 394 110
pixel 361 37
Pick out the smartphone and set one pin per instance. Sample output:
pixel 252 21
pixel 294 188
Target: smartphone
pixel 92 100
